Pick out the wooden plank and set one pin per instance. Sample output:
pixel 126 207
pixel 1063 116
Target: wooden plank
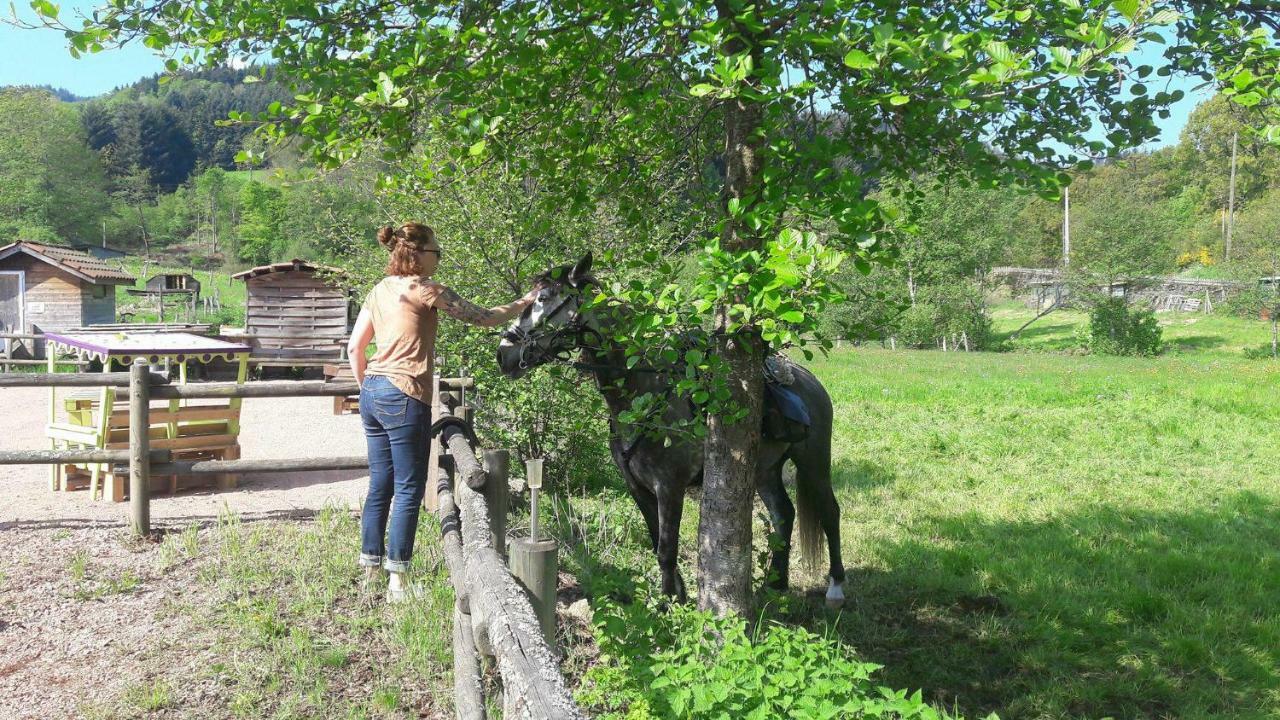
pixel 187 414
pixel 269 388
pixel 115 379
pixel 296 362
pixel 325 334
pixel 195 441
pixel 216 467
pixel 318 303
pixel 62 457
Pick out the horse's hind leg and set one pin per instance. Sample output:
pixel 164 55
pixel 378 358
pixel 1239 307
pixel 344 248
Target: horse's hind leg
pixel 782 515
pixel 648 504
pixel 818 501
pixel 670 509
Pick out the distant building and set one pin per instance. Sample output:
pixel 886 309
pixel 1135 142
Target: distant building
pixel 102 252
pixel 296 314
pixel 48 288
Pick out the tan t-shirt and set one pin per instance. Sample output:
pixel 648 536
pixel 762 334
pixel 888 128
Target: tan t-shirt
pixel 404 328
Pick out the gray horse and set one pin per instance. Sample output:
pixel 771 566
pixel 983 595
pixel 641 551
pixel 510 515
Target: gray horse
pixel 656 473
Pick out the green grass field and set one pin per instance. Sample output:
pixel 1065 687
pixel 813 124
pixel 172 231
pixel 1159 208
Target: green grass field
pixel 1189 334
pixel 1041 534
pixel 1054 536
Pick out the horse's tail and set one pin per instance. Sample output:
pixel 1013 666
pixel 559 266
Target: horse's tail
pixel 810 476
pixel 812 458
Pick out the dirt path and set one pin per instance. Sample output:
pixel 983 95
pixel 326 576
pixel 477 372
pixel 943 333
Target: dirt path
pixel 85 611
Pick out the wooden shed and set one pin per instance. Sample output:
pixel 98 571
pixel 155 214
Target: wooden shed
pixel 49 288
pixel 173 283
pixel 296 314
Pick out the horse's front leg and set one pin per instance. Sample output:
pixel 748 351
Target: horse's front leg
pixel 670 508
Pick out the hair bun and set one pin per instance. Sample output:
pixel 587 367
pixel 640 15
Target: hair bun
pixel 387 237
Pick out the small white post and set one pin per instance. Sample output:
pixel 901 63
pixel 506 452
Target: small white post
pixel 533 474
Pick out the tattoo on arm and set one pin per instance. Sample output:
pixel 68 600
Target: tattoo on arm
pixel 456 307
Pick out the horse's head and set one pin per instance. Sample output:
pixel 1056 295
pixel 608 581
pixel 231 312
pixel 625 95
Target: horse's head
pixel 551 327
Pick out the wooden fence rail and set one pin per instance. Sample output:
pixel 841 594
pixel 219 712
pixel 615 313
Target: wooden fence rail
pixel 493 615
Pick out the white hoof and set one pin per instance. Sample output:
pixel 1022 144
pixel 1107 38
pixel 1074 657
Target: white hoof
pixel 835 594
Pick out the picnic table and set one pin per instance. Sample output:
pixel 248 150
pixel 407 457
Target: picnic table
pixel 90 419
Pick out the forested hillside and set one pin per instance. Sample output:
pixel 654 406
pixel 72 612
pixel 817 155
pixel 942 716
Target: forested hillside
pixel 151 168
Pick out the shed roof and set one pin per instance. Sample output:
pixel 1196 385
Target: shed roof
pixel 82 265
pixel 294 264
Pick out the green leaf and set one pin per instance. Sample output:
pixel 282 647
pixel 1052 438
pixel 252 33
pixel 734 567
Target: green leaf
pixel 899 100
pixel 1127 8
pixel 45 8
pixel 792 316
pixel 999 52
pixel 1168 16
pixel 859 60
pixel 961 103
pixel 477 148
pixel 1062 55
pixel 702 89
pixel 1248 99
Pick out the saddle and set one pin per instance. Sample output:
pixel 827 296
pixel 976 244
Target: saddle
pixel 785 417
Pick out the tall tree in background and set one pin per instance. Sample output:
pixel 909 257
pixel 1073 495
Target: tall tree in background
pixel 52 186
pixel 563 89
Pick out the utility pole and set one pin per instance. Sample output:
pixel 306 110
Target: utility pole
pixel 1231 199
pixel 1066 226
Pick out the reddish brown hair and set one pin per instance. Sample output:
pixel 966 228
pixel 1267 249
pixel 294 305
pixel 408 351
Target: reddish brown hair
pixel 404 245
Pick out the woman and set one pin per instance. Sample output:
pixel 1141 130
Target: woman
pixel 400 313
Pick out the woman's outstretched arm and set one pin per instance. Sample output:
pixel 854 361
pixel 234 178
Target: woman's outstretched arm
pixel 361 335
pixel 453 305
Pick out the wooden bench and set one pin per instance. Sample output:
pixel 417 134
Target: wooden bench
pixel 197 432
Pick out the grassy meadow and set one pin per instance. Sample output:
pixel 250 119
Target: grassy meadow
pixel 1041 534
pixel 1052 536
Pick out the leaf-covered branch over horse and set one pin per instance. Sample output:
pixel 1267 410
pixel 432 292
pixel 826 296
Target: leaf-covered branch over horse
pixel 659 468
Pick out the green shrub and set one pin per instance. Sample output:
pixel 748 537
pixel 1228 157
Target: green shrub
pixel 683 663
pixel 951 311
pixel 1115 328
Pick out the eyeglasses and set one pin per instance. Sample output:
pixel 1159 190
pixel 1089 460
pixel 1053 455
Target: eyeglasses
pixel 430 250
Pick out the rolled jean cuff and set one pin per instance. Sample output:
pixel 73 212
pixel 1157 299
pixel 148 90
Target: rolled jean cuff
pixel 370 560
pixel 399 566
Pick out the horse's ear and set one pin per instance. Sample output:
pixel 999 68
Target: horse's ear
pixel 581 271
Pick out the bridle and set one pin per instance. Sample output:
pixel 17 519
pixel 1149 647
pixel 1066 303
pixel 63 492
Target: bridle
pixel 526 339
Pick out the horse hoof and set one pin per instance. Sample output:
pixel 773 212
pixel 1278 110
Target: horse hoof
pixel 835 595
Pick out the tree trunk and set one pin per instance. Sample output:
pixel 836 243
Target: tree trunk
pixel 724 529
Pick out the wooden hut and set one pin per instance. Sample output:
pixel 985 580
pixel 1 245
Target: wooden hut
pixel 173 283
pixel 179 291
pixel 296 315
pixel 49 288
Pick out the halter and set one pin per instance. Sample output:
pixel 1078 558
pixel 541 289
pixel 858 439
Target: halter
pixel 524 339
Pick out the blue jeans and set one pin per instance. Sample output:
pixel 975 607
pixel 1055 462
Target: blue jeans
pixel 396 428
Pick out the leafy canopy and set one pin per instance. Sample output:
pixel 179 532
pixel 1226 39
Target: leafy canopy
pixel 602 99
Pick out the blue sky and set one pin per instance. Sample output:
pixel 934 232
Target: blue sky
pixel 29 57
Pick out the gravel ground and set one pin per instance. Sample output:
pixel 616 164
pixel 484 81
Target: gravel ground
pixel 86 611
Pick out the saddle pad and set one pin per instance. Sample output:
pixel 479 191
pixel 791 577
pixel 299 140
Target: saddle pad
pixel 788 402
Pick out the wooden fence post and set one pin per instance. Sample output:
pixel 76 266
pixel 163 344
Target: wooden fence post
pixel 497 465
pixel 536 567
pixel 140 447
